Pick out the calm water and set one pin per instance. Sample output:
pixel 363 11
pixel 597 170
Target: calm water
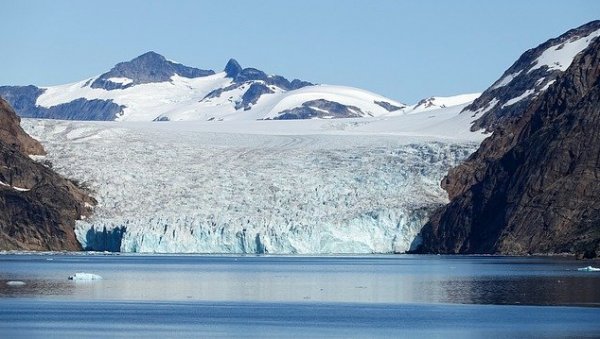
pixel 271 296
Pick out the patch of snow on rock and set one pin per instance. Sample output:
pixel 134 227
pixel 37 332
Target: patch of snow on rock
pixel 561 56
pixel 506 80
pixel 519 98
pixel 122 81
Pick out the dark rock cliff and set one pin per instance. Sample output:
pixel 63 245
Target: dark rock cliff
pixel 534 185
pixel 242 76
pixel 23 100
pixel 12 135
pixel 38 208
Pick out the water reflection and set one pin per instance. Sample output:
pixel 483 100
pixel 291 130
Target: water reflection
pixel 523 290
pixel 370 279
pixel 35 288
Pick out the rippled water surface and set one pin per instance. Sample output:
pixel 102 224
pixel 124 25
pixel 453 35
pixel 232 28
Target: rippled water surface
pixel 275 296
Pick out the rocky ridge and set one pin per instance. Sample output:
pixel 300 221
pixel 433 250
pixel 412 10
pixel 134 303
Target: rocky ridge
pixel 109 95
pixel 146 68
pixel 529 77
pixel 38 207
pixel 533 186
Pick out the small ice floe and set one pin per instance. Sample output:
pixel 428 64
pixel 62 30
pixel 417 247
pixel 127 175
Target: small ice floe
pixel 15 283
pixel 84 277
pixel 589 269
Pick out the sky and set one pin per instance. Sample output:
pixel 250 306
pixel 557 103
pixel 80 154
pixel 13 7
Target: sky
pixel 405 50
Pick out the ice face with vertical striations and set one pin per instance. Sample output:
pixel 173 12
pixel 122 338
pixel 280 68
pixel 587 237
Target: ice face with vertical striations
pixel 312 186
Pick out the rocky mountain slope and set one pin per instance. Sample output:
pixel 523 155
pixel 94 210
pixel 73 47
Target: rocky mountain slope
pixel 38 208
pixel 533 186
pixel 529 77
pixel 12 135
pixel 150 87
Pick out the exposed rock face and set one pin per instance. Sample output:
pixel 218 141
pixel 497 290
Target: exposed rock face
pixel 534 185
pixel 252 95
pixel 148 67
pixel 320 108
pixel 233 68
pixel 38 208
pixel 243 76
pixel 12 135
pixel 23 100
pixel 529 77
pixel 388 106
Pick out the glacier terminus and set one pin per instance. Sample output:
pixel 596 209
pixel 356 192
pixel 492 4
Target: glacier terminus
pixel 364 185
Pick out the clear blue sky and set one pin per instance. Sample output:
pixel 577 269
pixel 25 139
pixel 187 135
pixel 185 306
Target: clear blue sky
pixel 405 50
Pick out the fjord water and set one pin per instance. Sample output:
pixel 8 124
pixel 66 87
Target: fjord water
pixel 292 296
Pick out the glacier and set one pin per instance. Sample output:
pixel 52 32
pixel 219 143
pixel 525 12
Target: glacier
pixel 281 187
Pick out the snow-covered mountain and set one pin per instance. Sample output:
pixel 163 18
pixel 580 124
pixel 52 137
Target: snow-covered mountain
pixel 237 176
pixel 530 76
pixel 433 103
pixel 150 87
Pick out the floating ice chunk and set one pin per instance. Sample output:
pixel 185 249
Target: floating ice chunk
pixel 589 269
pixel 15 283
pixel 84 277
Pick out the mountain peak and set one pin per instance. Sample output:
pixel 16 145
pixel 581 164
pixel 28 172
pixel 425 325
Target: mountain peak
pixel 233 68
pixel 150 56
pixel 146 68
pixel 241 75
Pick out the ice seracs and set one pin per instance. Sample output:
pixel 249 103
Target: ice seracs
pixel 363 185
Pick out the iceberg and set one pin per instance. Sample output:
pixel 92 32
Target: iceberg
pixel 81 276
pixel 589 269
